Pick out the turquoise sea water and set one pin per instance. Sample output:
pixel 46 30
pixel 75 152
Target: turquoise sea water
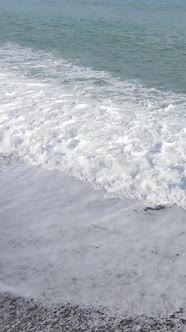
pixel 144 40
pixel 97 89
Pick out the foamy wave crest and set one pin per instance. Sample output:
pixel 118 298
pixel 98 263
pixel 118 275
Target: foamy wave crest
pixel 118 135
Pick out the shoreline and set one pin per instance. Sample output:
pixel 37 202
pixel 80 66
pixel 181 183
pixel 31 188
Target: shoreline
pixel 19 315
pixel 62 241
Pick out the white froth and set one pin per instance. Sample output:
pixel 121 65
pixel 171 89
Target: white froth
pixel 61 242
pixel 118 135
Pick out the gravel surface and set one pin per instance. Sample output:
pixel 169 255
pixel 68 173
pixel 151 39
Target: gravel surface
pixel 21 315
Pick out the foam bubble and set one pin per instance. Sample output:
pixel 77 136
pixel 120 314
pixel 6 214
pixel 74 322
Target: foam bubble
pixel 118 135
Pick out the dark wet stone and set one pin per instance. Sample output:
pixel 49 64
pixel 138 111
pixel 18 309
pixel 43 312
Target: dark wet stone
pixel 156 208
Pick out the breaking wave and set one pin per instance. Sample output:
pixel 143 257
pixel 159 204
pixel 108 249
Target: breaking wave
pixel 123 137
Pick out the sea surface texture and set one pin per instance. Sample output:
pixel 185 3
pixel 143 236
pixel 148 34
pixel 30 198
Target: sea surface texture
pixel 97 89
pixel 93 96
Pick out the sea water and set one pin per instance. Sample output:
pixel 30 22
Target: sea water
pixel 97 89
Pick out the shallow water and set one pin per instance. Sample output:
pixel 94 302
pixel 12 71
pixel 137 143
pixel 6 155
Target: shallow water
pixel 97 89
pixel 61 242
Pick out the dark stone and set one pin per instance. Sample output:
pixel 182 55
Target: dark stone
pixel 156 208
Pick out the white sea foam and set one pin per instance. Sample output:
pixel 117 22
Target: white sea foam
pixel 118 135
pixel 61 242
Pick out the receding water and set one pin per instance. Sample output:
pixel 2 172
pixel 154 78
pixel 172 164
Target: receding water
pixel 98 89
